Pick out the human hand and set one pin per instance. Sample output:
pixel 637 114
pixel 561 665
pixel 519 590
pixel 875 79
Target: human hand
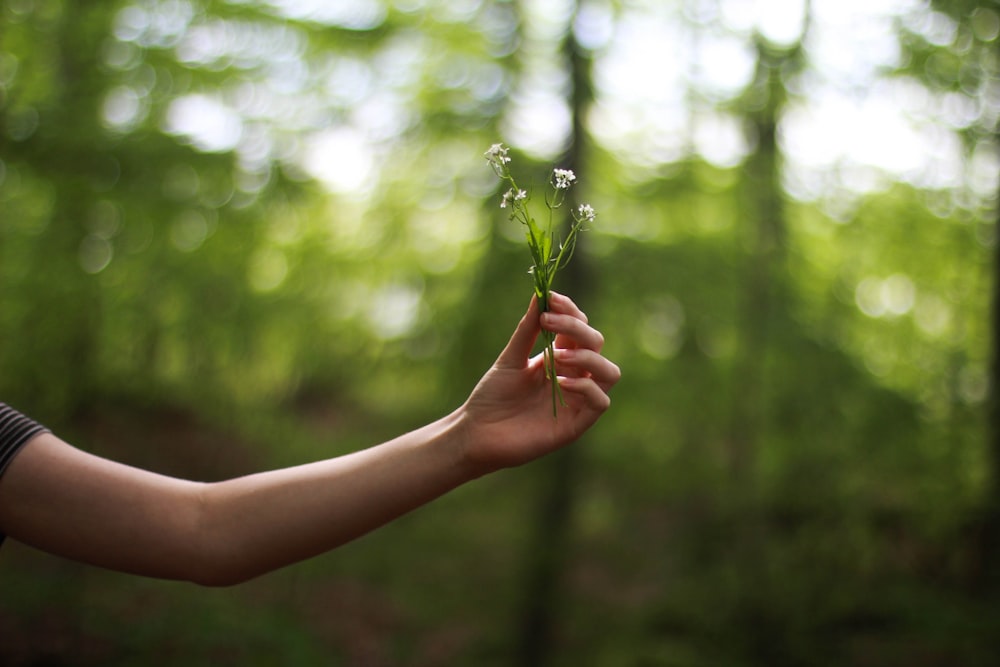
pixel 508 418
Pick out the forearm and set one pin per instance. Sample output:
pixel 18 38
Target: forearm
pixel 254 524
pixel 73 504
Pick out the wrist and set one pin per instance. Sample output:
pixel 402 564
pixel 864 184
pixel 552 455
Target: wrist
pixel 462 426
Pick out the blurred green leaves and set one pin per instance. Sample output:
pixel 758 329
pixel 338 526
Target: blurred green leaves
pixel 274 216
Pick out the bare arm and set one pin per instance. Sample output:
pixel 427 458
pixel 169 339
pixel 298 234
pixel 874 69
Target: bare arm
pixel 73 504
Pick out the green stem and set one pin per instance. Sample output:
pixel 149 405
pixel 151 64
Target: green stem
pixel 541 246
pixel 549 361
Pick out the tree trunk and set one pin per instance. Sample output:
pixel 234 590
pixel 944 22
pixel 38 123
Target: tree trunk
pixel 763 301
pixel 991 520
pixel 547 558
pixel 760 322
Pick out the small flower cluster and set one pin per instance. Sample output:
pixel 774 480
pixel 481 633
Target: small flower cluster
pixel 510 197
pixel 547 255
pixel 497 154
pixel 562 178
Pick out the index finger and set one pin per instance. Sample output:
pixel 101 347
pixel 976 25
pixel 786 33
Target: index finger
pixel 560 303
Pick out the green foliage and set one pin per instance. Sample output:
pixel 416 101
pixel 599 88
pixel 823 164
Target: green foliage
pixel 791 468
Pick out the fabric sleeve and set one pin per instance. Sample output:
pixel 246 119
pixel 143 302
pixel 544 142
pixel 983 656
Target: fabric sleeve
pixel 15 431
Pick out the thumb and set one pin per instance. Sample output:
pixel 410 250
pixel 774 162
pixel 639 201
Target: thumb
pixel 515 355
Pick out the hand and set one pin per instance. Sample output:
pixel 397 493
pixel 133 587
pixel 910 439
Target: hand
pixel 508 418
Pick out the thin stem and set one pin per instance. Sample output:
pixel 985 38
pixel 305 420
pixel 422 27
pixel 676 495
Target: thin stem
pixel 541 244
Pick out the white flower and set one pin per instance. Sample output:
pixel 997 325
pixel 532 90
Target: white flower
pixel 585 213
pixel 511 196
pixel 563 178
pixel 497 154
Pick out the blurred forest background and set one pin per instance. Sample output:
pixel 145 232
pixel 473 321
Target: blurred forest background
pixel 240 234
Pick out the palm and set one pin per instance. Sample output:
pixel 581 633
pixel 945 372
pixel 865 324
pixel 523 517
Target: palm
pixel 512 413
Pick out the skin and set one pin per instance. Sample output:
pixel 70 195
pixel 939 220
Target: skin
pixel 83 507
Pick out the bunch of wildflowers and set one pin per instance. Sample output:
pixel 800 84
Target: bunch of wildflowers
pixel 547 255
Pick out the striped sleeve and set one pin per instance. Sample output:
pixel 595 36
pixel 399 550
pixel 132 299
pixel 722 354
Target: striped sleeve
pixel 15 431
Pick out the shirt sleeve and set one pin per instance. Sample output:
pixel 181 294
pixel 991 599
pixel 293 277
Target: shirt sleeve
pixel 15 431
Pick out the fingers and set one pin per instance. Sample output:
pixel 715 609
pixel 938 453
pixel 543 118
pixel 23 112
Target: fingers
pixel 559 303
pixel 587 374
pixel 518 349
pixel 578 347
pixel 588 363
pixel 595 397
pixel 573 331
